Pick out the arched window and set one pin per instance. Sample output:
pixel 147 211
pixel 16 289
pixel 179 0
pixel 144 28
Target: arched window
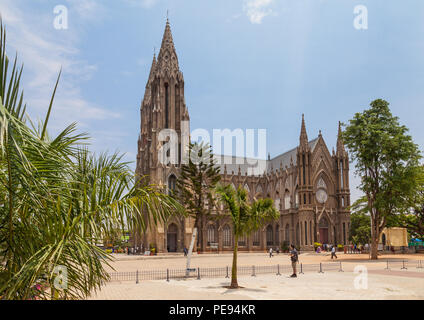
pixel 344 233
pixel 297 235
pixel 211 234
pixel 311 240
pixel 287 200
pixel 306 233
pixel 166 105
pixel 242 241
pixel 277 235
pixel 277 204
pixel 246 187
pixel 259 192
pixel 269 236
pixel 287 233
pixel 172 182
pixel 227 241
pixel 297 198
pixel 257 238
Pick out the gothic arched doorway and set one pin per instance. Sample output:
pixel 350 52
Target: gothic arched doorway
pixel 323 230
pixel 269 236
pixel 171 237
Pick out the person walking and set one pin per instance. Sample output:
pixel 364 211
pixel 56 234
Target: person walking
pixel 333 252
pixel 270 252
pixel 185 252
pixel 294 259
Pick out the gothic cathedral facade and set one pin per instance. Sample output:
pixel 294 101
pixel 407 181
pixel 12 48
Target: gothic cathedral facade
pixel 309 186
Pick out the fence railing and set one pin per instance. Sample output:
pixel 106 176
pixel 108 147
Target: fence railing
pixel 225 272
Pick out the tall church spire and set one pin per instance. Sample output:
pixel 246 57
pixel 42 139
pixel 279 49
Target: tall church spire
pixel 340 145
pixel 167 62
pixel 303 141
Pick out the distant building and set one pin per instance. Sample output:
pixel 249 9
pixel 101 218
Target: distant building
pixel 309 185
pixel 393 237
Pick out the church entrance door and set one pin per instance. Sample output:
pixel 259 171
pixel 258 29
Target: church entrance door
pixel 323 235
pixel 171 237
pixel 323 230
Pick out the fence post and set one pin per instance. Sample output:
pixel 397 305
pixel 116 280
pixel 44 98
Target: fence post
pixel 387 265
pixel 341 269
pixel 403 265
pixel 320 268
pixel 253 271
pixel 136 277
pixel 278 270
pixel 167 275
pixel 301 268
pixel 198 273
pixel 227 276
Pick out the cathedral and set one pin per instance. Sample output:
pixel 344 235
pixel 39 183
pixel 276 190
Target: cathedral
pixel 309 185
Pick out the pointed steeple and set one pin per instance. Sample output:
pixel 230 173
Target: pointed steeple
pixel 167 59
pixel 152 69
pixel 147 93
pixel 303 140
pixel 340 145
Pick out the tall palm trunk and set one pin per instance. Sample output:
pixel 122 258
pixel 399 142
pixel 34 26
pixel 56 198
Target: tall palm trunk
pixel 234 283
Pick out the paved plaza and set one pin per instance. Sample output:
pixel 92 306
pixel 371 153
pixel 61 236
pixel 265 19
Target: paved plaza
pixel 395 283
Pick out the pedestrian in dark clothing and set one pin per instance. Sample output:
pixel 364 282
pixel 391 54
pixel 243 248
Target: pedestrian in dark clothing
pixel 333 252
pixel 294 259
pixel 185 251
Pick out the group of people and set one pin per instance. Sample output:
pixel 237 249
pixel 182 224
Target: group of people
pixel 353 248
pixel 271 251
pixel 327 248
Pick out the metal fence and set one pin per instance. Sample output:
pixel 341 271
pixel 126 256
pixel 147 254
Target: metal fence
pixel 225 272
pixel 404 264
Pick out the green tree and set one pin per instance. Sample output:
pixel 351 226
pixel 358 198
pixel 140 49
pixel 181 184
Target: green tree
pixel 59 201
pixel 245 217
pixel 414 220
pixel 387 161
pixel 195 185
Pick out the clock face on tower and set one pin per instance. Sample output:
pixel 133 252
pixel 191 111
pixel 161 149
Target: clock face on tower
pixel 321 196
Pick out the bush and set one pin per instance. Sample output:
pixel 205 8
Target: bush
pixel 285 246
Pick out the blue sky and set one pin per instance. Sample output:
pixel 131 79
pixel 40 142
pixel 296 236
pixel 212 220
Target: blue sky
pixel 246 64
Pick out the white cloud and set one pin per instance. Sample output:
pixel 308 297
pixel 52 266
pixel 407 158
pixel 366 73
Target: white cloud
pixel 142 3
pixel 45 50
pixel 257 10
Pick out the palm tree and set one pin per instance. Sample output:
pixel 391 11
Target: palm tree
pixel 245 217
pixel 58 201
